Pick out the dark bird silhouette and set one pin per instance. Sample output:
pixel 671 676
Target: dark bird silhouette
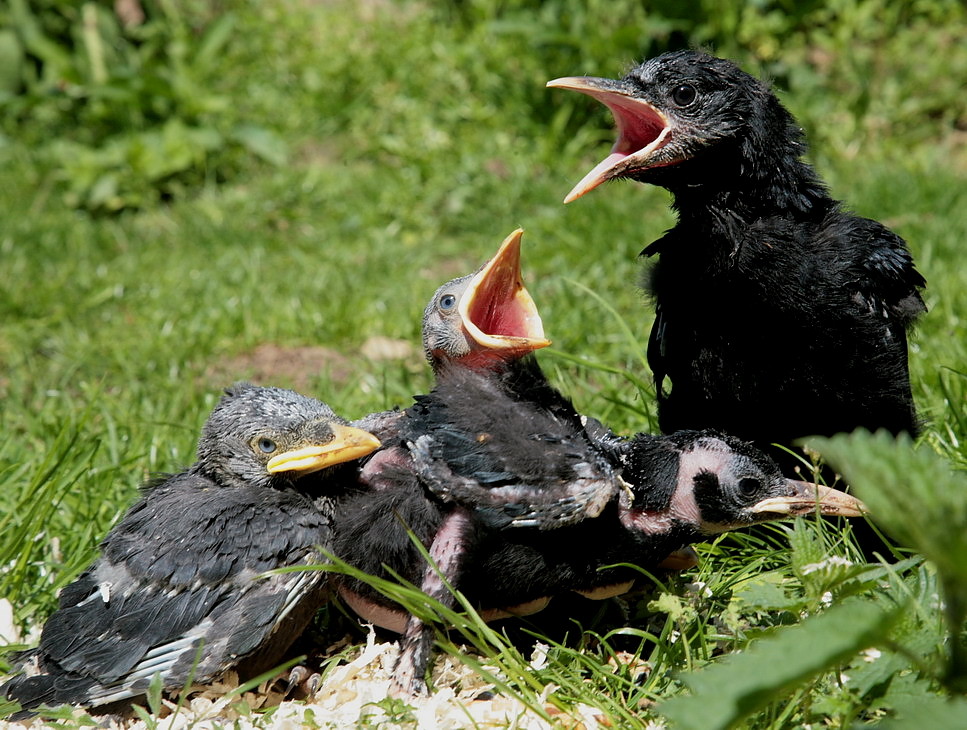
pixel 779 314
pixel 178 590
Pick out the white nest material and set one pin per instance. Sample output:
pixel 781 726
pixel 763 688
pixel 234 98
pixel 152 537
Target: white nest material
pixel 348 699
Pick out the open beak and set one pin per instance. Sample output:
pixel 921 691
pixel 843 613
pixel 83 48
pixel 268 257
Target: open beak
pixel 496 309
pixel 642 130
pixel 805 498
pixel 347 443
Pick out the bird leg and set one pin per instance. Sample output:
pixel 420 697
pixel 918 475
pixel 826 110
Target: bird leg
pixel 446 555
pixel 302 682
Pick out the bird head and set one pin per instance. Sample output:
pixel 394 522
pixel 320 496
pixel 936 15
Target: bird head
pixel 484 319
pixel 687 119
pixel 271 437
pixel 707 483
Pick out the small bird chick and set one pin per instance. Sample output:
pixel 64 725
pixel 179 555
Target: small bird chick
pixel 179 590
pixel 493 440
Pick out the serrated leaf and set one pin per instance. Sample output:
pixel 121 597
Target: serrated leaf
pixel 918 708
pixel 765 593
pixel 729 690
pixel 919 498
pixel 912 492
pixel 673 606
pixel 875 668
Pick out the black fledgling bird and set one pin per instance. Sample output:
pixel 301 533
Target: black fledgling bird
pixel 488 323
pixel 682 489
pixel 178 590
pixel 507 448
pixel 779 314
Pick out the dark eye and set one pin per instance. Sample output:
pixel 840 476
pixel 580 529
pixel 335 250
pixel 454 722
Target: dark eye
pixel 266 446
pixel 448 301
pixel 684 94
pixel 749 487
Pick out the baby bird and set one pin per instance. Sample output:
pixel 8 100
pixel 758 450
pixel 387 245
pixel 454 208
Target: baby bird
pixel 179 590
pixel 771 298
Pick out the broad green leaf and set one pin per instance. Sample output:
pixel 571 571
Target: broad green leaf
pixel 921 709
pixel 922 501
pixel 765 593
pixel 912 492
pixel 731 689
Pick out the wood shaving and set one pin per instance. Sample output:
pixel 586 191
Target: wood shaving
pixel 354 695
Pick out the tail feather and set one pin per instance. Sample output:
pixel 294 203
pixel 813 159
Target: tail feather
pixel 51 690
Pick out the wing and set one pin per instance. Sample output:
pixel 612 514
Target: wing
pixel 891 284
pixel 515 462
pixel 178 589
pixel 511 504
pixel 656 352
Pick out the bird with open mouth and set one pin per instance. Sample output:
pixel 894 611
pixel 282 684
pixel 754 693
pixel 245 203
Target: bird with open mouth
pixel 542 468
pixel 772 301
pixel 516 499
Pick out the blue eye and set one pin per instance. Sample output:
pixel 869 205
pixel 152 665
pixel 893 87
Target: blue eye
pixel 448 301
pixel 266 446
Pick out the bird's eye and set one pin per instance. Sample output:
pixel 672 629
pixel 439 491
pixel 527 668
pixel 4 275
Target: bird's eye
pixel 448 301
pixel 684 94
pixel 266 446
pixel 749 487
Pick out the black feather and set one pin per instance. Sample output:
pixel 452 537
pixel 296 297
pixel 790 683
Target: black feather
pixel 779 313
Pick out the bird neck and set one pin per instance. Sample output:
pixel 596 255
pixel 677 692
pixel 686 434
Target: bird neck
pixel 758 174
pixel 782 186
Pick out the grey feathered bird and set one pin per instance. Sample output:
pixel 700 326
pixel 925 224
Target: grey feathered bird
pixel 178 590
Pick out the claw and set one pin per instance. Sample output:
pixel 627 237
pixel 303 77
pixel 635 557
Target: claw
pixel 303 682
pixel 297 675
pixel 312 684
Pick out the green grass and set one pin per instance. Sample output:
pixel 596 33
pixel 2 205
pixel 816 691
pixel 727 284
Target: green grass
pixel 417 136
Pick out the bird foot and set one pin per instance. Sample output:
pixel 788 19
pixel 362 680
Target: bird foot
pixel 302 683
pixel 407 681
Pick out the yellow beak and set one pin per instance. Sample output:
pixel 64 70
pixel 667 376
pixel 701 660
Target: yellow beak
pixel 497 310
pixel 347 443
